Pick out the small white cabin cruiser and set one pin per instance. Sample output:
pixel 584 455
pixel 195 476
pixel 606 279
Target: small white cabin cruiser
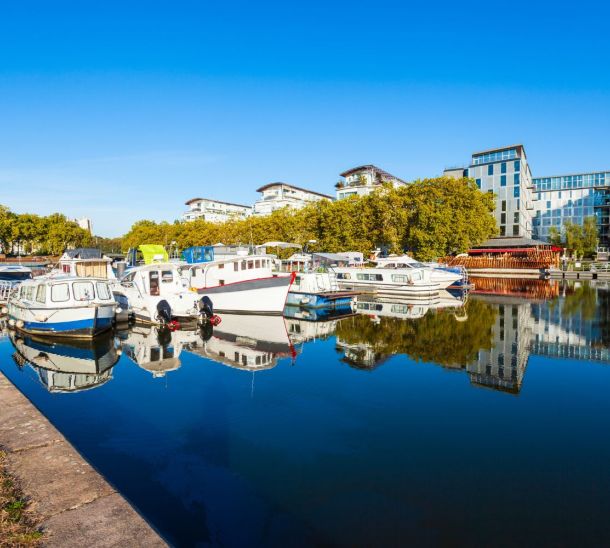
pixel 237 284
pixel 10 277
pixel 156 293
pixel 414 282
pixel 62 306
pixel 443 277
pixel 318 290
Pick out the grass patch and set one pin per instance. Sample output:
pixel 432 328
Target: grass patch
pixel 17 528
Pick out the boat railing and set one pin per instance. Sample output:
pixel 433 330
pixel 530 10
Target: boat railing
pixel 5 289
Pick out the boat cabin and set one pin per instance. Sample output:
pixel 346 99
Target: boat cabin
pixel 85 263
pixel 227 271
pixel 63 292
pixel 157 280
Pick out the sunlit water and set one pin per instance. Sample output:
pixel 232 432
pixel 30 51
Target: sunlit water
pixel 484 423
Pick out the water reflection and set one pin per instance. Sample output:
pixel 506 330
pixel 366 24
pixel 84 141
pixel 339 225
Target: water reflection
pixel 156 349
pixel 67 366
pixel 489 335
pixel 248 342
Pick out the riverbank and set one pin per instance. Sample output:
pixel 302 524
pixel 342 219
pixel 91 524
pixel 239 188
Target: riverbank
pixel 68 500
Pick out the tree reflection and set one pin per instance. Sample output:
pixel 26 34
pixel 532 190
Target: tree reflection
pixel 438 337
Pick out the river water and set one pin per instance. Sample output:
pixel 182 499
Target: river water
pixel 459 422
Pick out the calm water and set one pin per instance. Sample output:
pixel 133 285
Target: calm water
pixel 433 424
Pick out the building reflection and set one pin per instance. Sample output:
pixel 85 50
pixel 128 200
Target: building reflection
pixel 67 366
pixel 492 336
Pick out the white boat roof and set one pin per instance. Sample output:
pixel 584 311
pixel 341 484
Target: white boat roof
pixel 61 279
pixel 14 268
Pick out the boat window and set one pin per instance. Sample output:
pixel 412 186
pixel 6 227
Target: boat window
pixel 370 277
pixel 297 280
pixel 103 291
pixel 41 293
pixel 235 266
pixel 12 276
pixel 129 277
pixel 400 278
pixel 243 265
pixel 167 276
pixel 416 275
pixel 390 265
pixel 83 291
pixel 221 265
pixel 415 264
pixel 344 276
pixel 250 265
pixel 257 263
pixel 153 279
pixel 28 293
pixel 60 293
pixel 402 265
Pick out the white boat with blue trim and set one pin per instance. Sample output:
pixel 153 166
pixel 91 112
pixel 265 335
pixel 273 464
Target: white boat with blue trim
pixel 62 306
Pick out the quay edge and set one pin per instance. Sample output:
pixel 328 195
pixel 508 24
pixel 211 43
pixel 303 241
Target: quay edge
pixel 73 503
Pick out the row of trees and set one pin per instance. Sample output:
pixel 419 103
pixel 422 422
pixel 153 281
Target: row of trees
pixel 581 240
pixel 431 217
pixel 28 233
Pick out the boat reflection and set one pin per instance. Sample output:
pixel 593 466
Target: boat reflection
pixel 306 324
pixel 67 366
pixel 157 349
pixel 248 342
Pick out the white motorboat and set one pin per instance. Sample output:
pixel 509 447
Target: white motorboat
pixel 238 284
pixel 156 293
pixel 11 276
pixel 443 277
pixel 414 282
pixel 62 306
pixel 318 290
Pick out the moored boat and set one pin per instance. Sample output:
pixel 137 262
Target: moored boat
pixel 444 276
pixel 11 276
pixel 237 284
pixel 414 282
pixel 62 306
pixel 318 290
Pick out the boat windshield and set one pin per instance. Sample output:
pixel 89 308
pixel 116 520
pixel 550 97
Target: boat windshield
pixel 15 276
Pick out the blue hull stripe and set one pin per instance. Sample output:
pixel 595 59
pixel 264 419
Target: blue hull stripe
pixel 101 323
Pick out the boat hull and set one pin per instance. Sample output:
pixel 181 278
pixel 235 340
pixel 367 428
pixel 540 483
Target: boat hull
pixel 262 296
pixel 319 300
pixel 83 322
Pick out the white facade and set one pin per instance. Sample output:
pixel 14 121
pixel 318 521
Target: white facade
pixel 279 195
pixel 505 173
pixel 362 180
pixel 85 223
pixel 214 211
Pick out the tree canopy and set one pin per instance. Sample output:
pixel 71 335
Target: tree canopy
pixel 35 234
pixel 430 217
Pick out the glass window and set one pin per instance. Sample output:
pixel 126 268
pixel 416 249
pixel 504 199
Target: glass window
pixel 400 278
pixel 516 217
pixel 503 205
pixel 490 169
pixel 515 230
pixel 41 293
pixel 503 218
pixel 60 293
pixel 244 265
pixel 478 182
pixel 517 165
pixel 503 180
pixel 503 167
pixel 221 265
pixel 516 178
pixel 83 291
pixel 516 192
pixel 502 231
pixel 103 292
pixel 250 265
pixel 257 263
pixel 344 276
pixel 167 276
pixel 235 266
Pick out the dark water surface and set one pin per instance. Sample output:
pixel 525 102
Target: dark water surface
pixel 482 424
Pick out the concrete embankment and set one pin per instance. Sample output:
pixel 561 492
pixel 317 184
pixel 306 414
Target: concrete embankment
pixel 75 505
pixel 576 275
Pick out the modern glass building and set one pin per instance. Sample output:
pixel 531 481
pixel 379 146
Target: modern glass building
pixel 565 198
pixel 506 173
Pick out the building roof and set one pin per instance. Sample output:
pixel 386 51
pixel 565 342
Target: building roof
pixel 278 183
pixel 511 242
pixel 84 253
pixel 374 168
pixel 215 201
pixel 572 175
pixel 498 149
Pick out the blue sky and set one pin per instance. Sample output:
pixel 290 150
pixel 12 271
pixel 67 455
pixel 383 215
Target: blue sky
pixel 124 110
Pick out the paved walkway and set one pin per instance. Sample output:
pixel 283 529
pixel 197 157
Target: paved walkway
pixel 77 506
